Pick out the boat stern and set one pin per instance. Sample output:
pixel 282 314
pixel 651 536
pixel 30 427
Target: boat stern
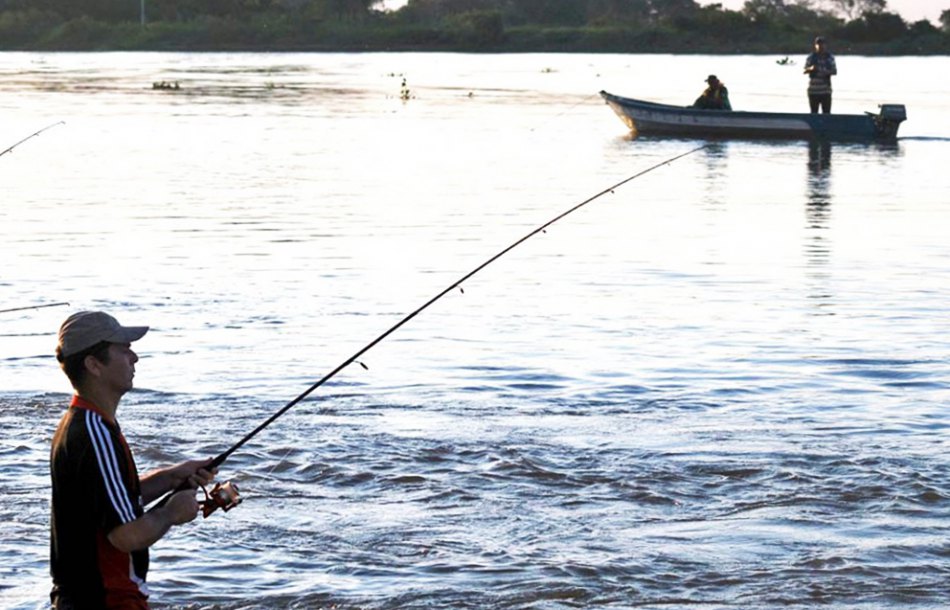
pixel 888 120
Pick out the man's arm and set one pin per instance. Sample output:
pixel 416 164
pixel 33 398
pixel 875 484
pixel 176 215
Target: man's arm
pixel 147 529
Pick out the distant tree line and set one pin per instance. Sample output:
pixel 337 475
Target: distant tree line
pixel 864 26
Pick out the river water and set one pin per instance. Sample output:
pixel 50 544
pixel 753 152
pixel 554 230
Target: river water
pixel 722 385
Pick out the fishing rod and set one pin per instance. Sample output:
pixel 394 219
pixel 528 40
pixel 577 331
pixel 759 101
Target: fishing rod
pixel 32 135
pixel 225 495
pixel 34 307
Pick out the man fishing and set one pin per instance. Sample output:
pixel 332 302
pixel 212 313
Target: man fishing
pixel 99 531
pixel 820 67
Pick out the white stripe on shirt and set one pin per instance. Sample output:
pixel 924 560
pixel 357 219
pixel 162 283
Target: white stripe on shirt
pixel 109 467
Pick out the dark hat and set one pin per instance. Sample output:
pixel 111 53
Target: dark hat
pixel 711 78
pixel 819 40
pixel 84 329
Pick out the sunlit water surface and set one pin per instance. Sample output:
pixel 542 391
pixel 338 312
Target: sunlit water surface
pixel 723 385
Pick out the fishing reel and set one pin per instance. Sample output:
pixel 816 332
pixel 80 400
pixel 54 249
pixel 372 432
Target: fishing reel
pixel 223 495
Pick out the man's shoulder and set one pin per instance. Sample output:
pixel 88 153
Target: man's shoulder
pixel 82 427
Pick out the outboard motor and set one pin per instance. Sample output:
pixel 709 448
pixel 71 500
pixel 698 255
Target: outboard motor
pixel 889 119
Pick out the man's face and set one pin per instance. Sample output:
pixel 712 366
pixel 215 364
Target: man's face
pixel 119 372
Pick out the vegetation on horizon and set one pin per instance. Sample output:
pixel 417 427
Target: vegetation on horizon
pixel 627 26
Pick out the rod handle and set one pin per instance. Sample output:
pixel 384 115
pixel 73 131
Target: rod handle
pixel 184 485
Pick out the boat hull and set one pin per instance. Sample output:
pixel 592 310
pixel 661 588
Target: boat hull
pixel 649 118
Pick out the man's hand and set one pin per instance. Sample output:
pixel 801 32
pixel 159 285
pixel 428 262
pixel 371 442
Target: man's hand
pixel 189 474
pixel 194 472
pixel 182 507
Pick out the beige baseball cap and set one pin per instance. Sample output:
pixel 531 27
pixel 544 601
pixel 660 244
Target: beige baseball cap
pixel 84 329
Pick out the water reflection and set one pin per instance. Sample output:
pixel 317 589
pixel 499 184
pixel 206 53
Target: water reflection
pixel 716 154
pixel 817 220
pixel 818 202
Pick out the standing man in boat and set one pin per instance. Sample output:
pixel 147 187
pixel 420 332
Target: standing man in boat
pixel 820 67
pixel 715 97
pixel 99 531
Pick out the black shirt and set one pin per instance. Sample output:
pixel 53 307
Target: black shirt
pixel 95 489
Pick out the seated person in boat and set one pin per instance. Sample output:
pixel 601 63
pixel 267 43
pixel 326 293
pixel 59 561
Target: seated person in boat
pixel 715 97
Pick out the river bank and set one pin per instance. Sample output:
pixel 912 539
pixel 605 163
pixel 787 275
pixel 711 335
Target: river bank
pixel 284 35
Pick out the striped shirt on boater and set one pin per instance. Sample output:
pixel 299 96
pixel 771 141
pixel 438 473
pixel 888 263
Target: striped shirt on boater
pixel 95 489
pixel 823 68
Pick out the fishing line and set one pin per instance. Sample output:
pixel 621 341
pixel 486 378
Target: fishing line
pixel 566 111
pixel 406 95
pixel 32 135
pixel 34 307
pixel 220 459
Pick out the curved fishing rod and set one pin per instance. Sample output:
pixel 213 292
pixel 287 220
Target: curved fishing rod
pixel 220 459
pixel 354 358
pixel 32 135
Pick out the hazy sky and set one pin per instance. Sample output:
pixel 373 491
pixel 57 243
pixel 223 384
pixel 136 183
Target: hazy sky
pixel 910 10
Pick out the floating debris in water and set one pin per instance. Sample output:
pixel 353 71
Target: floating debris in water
pixel 166 85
